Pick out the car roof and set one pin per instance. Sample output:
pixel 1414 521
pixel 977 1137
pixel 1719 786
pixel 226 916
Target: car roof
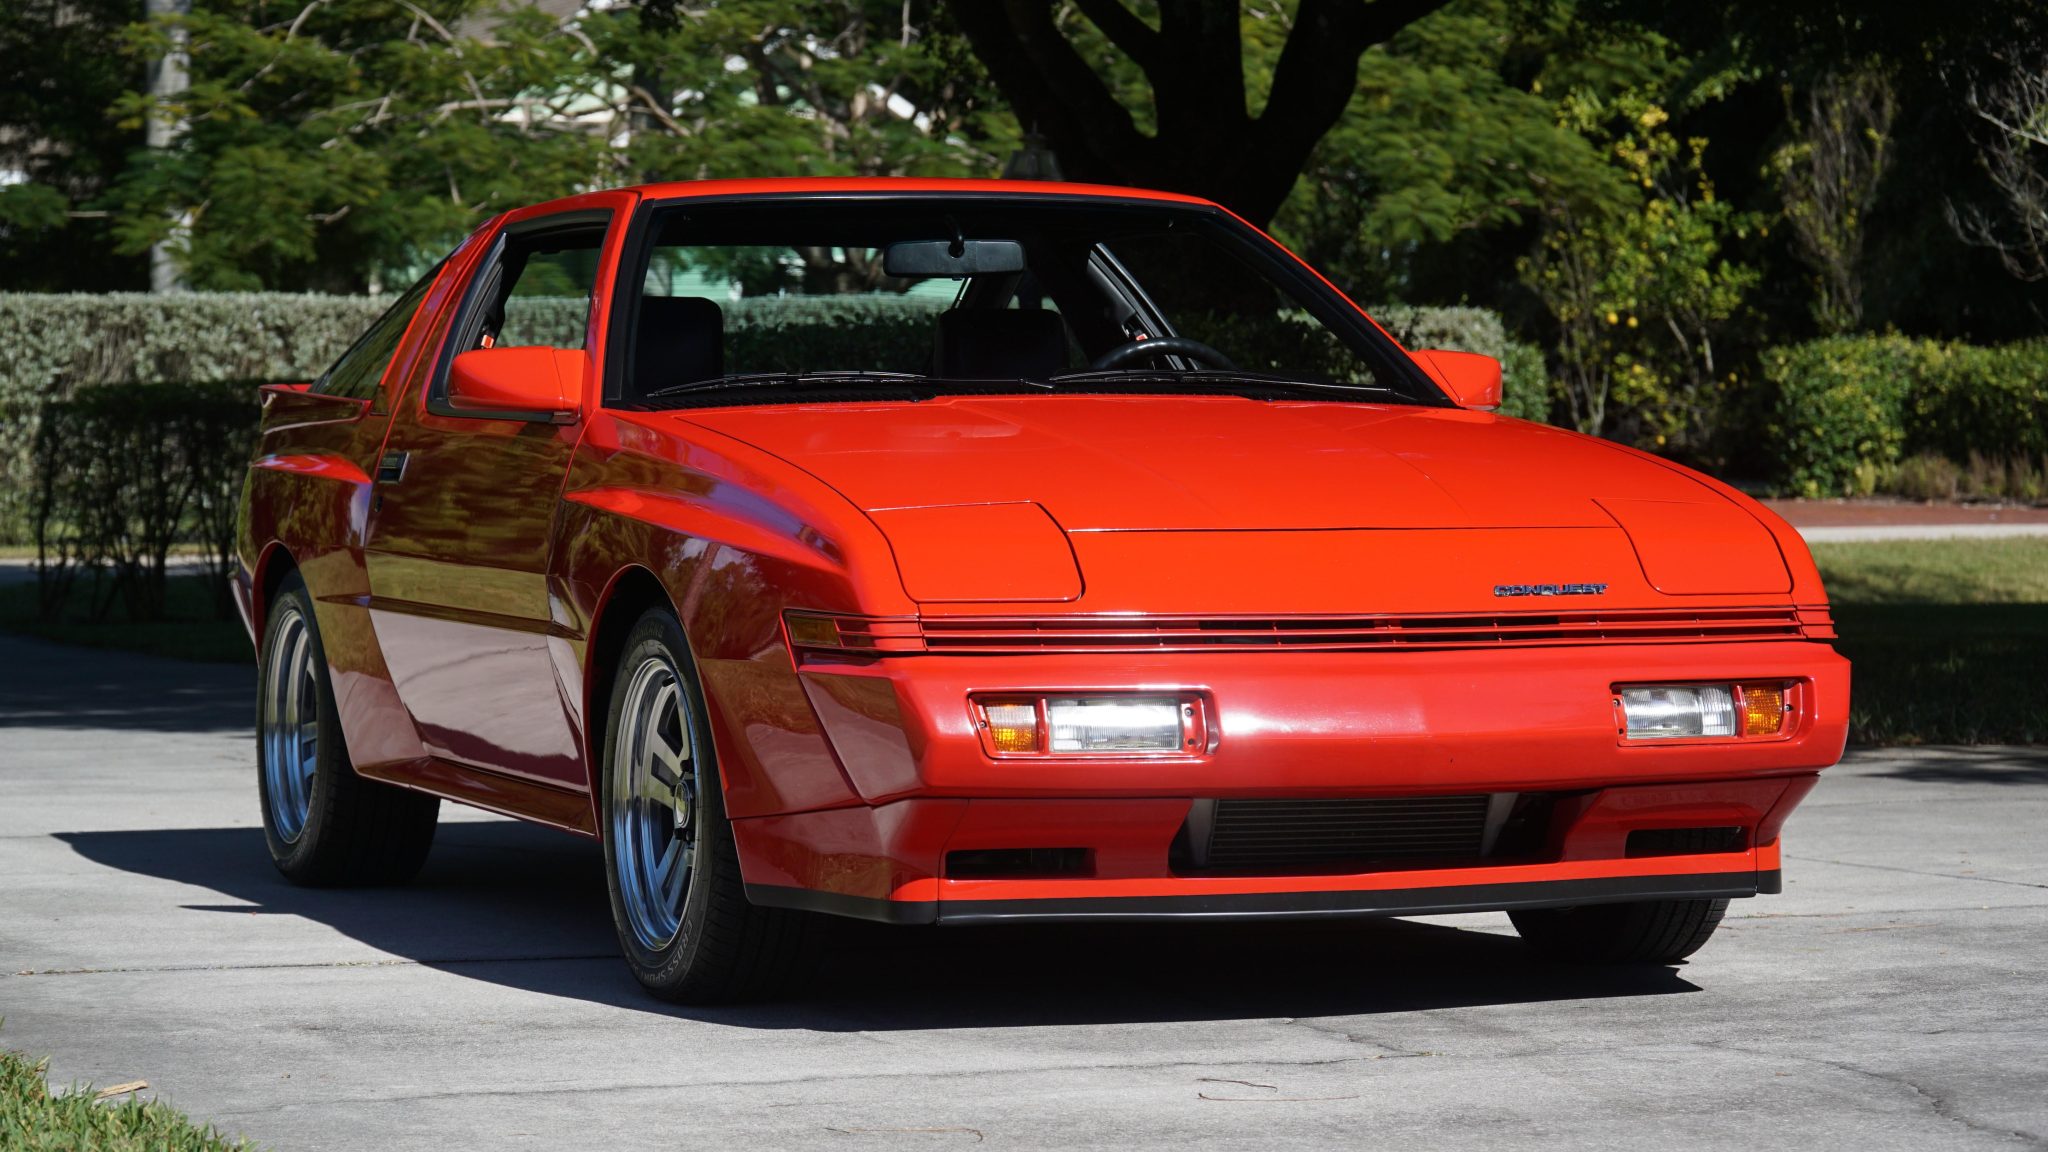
pixel 855 185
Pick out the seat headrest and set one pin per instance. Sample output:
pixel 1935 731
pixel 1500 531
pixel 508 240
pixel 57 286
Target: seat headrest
pixel 679 339
pixel 1001 344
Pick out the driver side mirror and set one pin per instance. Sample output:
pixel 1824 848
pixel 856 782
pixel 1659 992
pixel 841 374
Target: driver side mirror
pixel 543 384
pixel 1471 379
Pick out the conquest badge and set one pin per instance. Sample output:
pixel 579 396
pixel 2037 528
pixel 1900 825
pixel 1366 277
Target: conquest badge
pixel 1549 589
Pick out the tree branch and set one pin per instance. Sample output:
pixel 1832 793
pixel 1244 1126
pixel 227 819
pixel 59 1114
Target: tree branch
pixel 1132 36
pixel 1051 87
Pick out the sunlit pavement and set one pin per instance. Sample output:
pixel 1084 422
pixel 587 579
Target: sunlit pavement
pixel 1893 997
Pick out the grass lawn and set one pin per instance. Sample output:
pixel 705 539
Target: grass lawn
pixel 31 1117
pixel 192 630
pixel 1949 639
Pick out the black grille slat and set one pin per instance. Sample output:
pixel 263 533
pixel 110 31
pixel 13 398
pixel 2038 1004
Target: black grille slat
pixel 1255 834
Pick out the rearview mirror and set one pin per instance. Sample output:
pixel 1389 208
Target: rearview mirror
pixel 517 384
pixel 1471 379
pixel 953 258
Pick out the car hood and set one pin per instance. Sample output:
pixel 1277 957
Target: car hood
pixel 1210 463
pixel 1101 465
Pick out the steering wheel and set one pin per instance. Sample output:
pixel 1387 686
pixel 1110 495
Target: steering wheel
pixel 1124 353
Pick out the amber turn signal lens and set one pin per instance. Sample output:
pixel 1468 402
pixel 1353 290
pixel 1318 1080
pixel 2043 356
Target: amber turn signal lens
pixel 813 631
pixel 1763 710
pixel 1012 727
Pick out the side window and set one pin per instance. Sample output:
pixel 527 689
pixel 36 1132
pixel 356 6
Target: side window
pixel 362 367
pixel 538 293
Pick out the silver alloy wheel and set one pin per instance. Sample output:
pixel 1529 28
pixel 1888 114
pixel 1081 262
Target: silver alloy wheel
pixel 653 793
pixel 291 724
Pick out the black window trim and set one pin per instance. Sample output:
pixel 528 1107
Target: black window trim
pixel 1379 350
pixel 469 311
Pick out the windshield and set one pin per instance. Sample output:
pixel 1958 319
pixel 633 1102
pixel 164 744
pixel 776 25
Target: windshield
pixel 853 297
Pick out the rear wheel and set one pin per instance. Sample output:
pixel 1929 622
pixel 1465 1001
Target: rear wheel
pixel 324 824
pixel 681 911
pixel 1646 932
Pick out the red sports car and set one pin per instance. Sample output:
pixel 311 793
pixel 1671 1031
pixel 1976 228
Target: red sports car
pixel 962 551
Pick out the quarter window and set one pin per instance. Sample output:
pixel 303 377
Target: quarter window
pixel 362 367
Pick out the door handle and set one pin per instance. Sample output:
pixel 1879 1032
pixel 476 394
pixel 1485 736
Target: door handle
pixel 391 469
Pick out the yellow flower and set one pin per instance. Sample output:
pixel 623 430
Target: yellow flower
pixel 1612 318
pixel 1631 321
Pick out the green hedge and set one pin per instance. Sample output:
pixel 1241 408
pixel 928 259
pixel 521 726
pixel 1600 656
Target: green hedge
pixel 123 473
pixel 1850 409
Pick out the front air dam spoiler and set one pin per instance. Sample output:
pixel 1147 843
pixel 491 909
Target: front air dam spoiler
pixel 1264 906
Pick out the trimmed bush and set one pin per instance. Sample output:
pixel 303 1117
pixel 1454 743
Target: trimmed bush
pixel 123 473
pixel 1849 409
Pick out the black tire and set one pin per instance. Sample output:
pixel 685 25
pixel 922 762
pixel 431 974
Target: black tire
pixel 1645 932
pixel 724 948
pixel 353 831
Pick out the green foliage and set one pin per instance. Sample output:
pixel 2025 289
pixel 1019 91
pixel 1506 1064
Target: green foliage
pixel 1641 294
pixel 1450 135
pixel 1931 476
pixel 1526 389
pixel 33 1117
pixel 55 132
pixel 122 473
pixel 58 344
pixel 1850 409
pixel 352 141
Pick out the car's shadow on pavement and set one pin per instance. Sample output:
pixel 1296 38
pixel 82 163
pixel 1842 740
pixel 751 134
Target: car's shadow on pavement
pixel 524 907
pixel 1998 764
pixel 60 686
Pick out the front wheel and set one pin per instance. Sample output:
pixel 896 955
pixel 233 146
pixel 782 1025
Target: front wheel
pixel 681 911
pixel 325 824
pixel 1644 932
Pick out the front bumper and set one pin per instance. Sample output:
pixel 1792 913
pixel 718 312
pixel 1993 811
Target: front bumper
pixel 890 863
pixel 1302 725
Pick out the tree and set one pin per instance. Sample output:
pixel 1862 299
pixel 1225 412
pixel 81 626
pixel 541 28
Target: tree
pixel 1454 150
pixel 332 143
pixel 2011 107
pixel 58 151
pixel 1189 126
pixel 348 142
pixel 1830 174
pixel 1641 295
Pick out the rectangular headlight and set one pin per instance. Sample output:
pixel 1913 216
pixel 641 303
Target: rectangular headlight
pixel 1114 723
pixel 1104 724
pixel 1701 711
pixel 1675 711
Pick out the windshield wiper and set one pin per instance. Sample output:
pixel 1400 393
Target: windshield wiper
pixel 1225 379
pixel 782 379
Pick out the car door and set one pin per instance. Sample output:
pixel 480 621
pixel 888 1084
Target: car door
pixel 464 507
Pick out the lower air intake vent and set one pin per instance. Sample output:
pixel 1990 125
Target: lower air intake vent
pixel 1267 834
pixel 1685 841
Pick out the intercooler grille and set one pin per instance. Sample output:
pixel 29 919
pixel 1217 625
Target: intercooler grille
pixel 1256 834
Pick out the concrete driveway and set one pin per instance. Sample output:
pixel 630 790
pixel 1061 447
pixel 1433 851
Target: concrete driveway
pixel 1894 997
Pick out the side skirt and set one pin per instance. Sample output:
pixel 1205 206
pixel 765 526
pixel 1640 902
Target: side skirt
pixel 562 808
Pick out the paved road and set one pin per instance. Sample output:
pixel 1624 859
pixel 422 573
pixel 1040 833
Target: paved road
pixel 1893 998
pixel 1866 533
